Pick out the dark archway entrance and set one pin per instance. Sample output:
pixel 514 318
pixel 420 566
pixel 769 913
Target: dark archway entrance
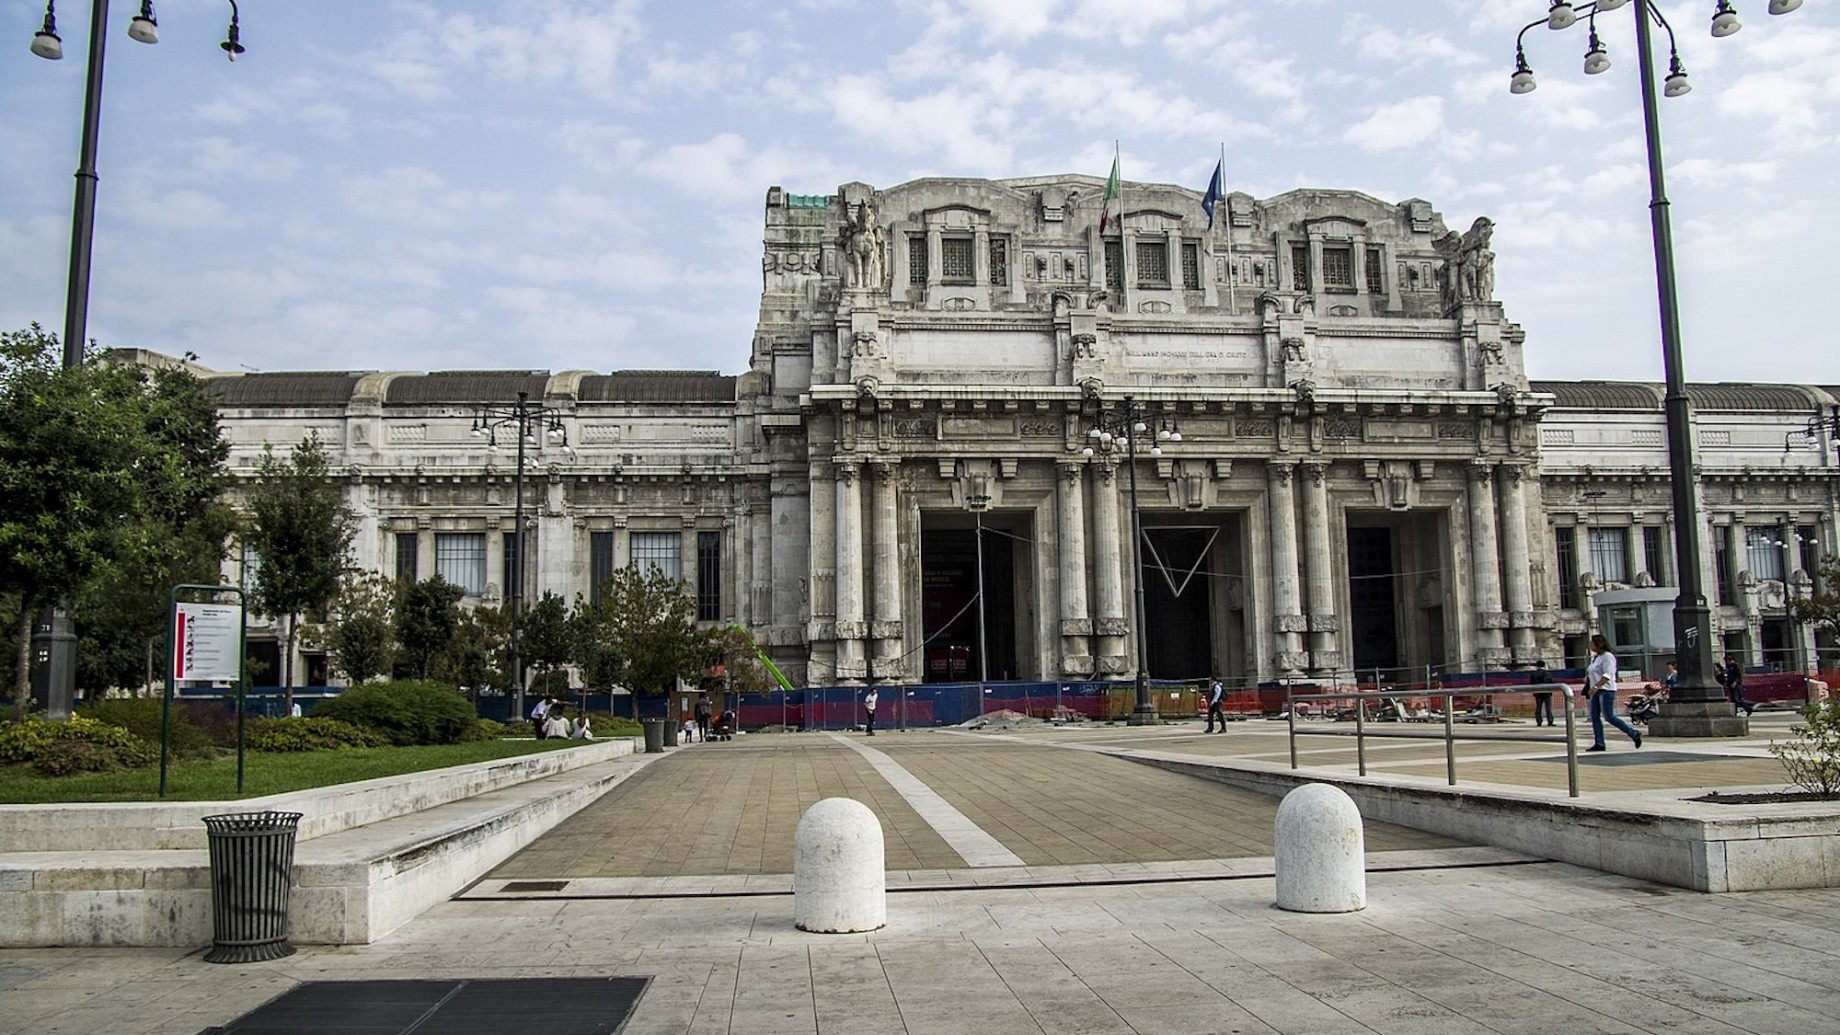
pixel 1180 565
pixel 948 600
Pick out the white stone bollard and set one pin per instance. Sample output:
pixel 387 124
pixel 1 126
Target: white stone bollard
pixel 838 883
pixel 1320 851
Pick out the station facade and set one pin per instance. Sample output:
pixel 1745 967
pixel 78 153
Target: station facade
pixel 1355 472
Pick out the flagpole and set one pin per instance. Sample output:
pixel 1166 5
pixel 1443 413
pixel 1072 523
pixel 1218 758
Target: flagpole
pixel 1232 295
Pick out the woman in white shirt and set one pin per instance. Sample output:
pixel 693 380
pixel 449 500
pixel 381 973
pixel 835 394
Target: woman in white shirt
pixel 1600 683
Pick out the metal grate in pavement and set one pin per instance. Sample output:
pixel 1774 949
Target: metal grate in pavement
pixel 534 885
pixel 1614 759
pixel 526 1006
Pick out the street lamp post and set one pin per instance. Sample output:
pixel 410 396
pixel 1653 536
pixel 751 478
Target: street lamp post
pixel 1128 420
pixel 524 418
pixel 977 502
pixel 57 636
pixel 1696 707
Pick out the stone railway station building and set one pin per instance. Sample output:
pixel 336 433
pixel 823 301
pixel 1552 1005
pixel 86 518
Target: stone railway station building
pixel 1365 477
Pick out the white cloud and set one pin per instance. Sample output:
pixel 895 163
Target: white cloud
pixel 1403 124
pixel 416 197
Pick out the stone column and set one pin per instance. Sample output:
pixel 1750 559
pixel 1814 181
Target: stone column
pixel 1076 616
pixel 1485 569
pixel 850 625
pixel 1517 575
pixel 1108 573
pixel 1318 565
pixel 1633 563
pixel 888 629
pixel 555 553
pixel 1287 616
pixel 760 552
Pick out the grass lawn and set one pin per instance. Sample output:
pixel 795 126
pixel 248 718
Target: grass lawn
pixel 215 779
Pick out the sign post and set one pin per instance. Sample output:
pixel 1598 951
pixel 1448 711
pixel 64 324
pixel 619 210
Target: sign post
pixel 208 642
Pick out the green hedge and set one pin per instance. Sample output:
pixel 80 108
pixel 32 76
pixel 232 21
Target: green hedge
pixel 408 712
pixel 315 733
pixel 141 717
pixel 81 745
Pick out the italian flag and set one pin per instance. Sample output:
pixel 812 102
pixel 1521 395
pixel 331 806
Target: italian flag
pixel 1111 195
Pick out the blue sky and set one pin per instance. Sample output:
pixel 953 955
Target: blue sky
pixel 558 185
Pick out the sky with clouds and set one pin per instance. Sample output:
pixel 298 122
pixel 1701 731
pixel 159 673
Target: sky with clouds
pixel 548 184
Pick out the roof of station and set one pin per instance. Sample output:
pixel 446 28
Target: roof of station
pixel 1724 396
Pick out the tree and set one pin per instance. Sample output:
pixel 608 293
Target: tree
pixel 122 621
pixel 301 531
pixel 362 634
pixel 546 637
pixel 1821 609
pixel 427 623
pixel 99 464
pixel 642 634
pixel 733 648
pixel 477 656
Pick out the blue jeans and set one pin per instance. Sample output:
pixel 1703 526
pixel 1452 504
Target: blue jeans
pixel 1603 706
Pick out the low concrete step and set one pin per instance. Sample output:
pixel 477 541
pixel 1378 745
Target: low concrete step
pixel 351 886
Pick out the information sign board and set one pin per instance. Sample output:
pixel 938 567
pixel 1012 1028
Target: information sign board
pixel 206 642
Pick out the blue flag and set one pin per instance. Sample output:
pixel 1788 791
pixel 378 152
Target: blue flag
pixel 1216 190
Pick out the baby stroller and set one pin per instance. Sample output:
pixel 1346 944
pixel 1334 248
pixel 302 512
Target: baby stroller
pixel 1647 704
pixel 724 728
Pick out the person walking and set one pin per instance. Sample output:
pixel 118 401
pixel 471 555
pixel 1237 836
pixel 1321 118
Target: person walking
pixel 1600 683
pixel 869 701
pixel 1542 699
pixel 704 712
pixel 1734 684
pixel 1215 693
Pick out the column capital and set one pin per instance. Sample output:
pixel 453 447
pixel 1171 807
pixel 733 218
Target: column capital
pixel 1480 471
pixel 1316 470
pixel 1281 471
pixel 848 468
pixel 1070 470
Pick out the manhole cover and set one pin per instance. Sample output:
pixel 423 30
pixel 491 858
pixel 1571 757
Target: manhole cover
pixel 534 885
pixel 533 1006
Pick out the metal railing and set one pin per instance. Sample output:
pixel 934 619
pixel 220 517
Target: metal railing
pixel 1361 733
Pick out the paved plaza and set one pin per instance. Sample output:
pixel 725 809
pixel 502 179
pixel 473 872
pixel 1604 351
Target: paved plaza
pixel 1142 904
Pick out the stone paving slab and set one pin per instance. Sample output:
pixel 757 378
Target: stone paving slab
pixel 1533 949
pixel 730 808
pixel 724 807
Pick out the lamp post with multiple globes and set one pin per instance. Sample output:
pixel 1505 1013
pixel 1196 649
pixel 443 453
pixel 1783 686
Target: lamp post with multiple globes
pixel 524 420
pixel 55 639
pixel 1120 426
pixel 1697 707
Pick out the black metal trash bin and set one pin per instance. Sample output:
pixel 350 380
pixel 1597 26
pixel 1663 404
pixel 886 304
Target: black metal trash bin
pixel 252 868
pixel 654 735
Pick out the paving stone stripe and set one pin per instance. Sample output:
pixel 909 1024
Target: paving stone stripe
pixel 969 840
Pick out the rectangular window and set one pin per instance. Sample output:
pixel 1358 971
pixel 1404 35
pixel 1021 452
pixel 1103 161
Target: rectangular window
pixel 460 558
pixel 999 261
pixel 407 545
pixel 1191 265
pixel 1721 565
pixel 1808 542
pixel 955 260
pixel 1376 270
pixel 508 563
pixel 661 550
pixel 1152 264
pixel 1609 559
pixel 1764 547
pixel 1338 268
pixel 1300 267
pixel 1654 553
pixel 916 259
pixel 600 563
pixel 1565 547
pixel 1114 265
pixel 708 576
pixel 252 563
